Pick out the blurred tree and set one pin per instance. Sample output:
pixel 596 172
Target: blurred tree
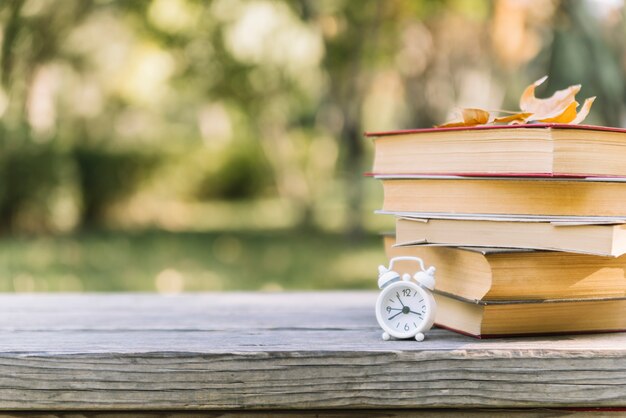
pixel 31 171
pixel 52 104
pixel 353 36
pixel 588 48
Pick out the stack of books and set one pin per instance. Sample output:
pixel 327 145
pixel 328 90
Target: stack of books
pixel 526 224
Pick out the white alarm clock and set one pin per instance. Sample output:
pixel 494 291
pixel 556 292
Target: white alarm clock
pixel 405 307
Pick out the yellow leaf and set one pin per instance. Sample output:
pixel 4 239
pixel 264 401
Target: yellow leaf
pixel 515 118
pixel 568 115
pixel 453 124
pixel 475 116
pixel 550 108
pixel 471 117
pixel 584 111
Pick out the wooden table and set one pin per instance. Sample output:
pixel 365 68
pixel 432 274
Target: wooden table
pixel 278 351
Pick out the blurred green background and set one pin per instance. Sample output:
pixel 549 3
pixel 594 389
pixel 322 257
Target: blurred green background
pixel 182 145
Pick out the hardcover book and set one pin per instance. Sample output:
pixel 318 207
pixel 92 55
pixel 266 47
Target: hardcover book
pixel 505 196
pixel 516 274
pixel 596 239
pixel 549 150
pixel 488 319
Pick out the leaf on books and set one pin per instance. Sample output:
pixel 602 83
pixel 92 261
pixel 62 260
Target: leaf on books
pixel 550 108
pixel 584 111
pixel 471 117
pixel 567 116
pixel 521 117
pixel 558 108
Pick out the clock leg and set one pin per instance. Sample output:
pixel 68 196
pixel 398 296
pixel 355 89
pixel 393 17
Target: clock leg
pixel 386 336
pixel 419 337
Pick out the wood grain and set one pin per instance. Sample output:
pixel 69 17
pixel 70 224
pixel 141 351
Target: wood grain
pixel 369 413
pixel 280 351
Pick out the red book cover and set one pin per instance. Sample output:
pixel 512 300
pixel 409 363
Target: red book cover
pixel 488 127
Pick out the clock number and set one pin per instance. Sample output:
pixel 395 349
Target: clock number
pixel 406 292
pixel 388 309
pixel 406 327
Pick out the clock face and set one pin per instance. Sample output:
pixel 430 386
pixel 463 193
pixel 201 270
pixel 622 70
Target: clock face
pixel 404 309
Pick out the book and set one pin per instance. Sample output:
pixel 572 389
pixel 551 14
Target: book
pixel 505 196
pixel 492 274
pixel 530 149
pixel 596 239
pixel 488 319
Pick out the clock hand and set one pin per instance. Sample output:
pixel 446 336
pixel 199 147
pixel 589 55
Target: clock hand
pixel 394 309
pixel 400 300
pixel 420 315
pixel 389 319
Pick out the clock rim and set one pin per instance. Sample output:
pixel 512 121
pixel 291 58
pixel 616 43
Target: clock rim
pixel 427 322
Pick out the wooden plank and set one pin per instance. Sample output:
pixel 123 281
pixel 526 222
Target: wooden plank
pixel 278 351
pixel 369 413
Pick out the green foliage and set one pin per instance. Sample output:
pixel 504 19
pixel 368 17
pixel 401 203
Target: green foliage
pixel 32 177
pixel 583 52
pixel 106 177
pixel 240 175
pixel 38 179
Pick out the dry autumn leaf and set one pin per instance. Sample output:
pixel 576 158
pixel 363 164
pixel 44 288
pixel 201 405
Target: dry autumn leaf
pixel 550 108
pixel 558 108
pixel 521 117
pixel 471 117
pixel 566 116
pixel 584 111
pixel 475 116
